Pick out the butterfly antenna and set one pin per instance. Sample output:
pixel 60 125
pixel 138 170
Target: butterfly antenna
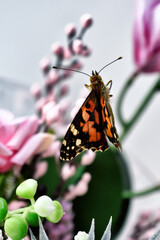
pixel 110 64
pixel 73 70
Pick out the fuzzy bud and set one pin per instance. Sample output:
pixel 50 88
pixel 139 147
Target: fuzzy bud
pixel 86 20
pixel 70 30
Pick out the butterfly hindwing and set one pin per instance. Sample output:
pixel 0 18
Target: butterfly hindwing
pixel 86 130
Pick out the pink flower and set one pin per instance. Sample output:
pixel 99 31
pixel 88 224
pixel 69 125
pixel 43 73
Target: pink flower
pixel 146 35
pixel 19 141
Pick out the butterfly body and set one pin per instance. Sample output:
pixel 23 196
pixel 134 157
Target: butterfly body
pixel 93 124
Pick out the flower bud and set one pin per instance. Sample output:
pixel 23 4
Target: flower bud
pixel 70 30
pixel 3 208
pixel 86 20
pixel 57 213
pixel 16 227
pixel 45 64
pixel 27 189
pixel 77 46
pixel 81 236
pixel 57 49
pixel 44 206
pixel 32 219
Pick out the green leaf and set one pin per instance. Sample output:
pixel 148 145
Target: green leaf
pixel 92 231
pixel 107 233
pixel 31 234
pixel 42 233
pixel 156 236
pixel 110 177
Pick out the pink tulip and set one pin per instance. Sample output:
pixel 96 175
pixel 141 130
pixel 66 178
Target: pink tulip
pixel 19 141
pixel 146 35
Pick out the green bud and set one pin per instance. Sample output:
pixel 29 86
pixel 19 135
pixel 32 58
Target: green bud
pixel 32 219
pixel 43 206
pixel 57 213
pixel 27 189
pixel 3 208
pixel 16 227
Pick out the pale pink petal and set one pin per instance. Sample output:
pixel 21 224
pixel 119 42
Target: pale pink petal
pixel 67 171
pixel 53 115
pixel 41 169
pixel 6 132
pixel 16 205
pixel 53 150
pixel 64 104
pixel 88 157
pixel 40 103
pixel 48 106
pixel 35 145
pixel 4 151
pixel 25 130
pixel 86 177
pixel 81 188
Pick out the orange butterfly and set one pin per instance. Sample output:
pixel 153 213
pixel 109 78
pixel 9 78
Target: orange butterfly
pixel 93 122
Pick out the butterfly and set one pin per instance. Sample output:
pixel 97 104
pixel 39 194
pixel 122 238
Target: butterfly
pixel 93 124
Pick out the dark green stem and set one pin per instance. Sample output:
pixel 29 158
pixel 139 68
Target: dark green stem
pixel 127 125
pixel 130 194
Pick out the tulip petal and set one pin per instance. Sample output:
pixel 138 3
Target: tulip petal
pixel 25 130
pixel 4 151
pixel 5 164
pixel 35 145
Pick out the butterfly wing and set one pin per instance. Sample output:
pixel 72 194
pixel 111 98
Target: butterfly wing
pixel 108 122
pixel 86 130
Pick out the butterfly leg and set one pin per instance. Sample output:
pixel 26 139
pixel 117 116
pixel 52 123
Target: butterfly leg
pixel 110 82
pixel 88 87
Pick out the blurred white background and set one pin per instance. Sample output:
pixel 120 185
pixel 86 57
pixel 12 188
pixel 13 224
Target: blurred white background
pixel 27 31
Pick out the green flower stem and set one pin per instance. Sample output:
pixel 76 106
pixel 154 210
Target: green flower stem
pixel 130 194
pixel 17 211
pixel 32 201
pixel 127 125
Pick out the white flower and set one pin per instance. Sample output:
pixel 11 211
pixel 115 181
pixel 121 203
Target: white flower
pixel 44 206
pixel 81 236
pixel 1 237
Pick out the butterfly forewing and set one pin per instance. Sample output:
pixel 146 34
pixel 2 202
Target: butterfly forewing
pixel 86 129
pixel 108 122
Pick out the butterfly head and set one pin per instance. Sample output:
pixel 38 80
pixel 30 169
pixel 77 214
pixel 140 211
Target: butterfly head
pixel 95 78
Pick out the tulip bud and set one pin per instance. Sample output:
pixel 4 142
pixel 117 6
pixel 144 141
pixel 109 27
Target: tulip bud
pixel 57 213
pixel 44 206
pixel 32 219
pixel 27 189
pixel 16 227
pixel 3 208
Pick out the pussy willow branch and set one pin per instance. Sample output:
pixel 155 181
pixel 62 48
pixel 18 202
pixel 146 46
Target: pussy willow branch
pixel 130 194
pixel 127 125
